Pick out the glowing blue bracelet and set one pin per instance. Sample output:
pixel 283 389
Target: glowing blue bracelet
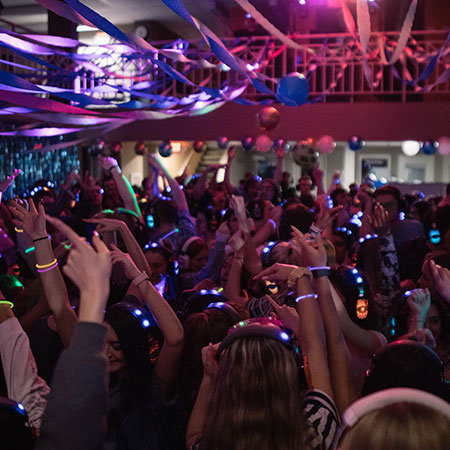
pixel 303 297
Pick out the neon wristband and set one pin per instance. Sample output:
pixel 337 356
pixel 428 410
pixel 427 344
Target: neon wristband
pixel 318 272
pixel 271 221
pixel 40 239
pixel 44 266
pixel 47 269
pixel 140 278
pixel 303 297
pixel 7 303
pixel 18 230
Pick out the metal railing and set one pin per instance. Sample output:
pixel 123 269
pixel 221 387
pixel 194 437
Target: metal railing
pixel 332 63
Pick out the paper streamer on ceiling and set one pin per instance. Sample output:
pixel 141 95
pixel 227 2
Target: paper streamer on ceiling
pixel 272 29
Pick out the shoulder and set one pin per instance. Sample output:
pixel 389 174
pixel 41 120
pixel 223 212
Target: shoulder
pixel 321 417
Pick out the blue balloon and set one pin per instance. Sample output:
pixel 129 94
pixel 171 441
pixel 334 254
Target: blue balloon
pixel 165 149
pixel 429 147
pixel 356 143
pixel 293 89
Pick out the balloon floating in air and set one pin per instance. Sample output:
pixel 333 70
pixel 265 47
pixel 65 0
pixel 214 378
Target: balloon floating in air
pixel 247 142
pixel 269 118
pixel 222 142
pixel 444 146
pixel 356 143
pixel 139 148
pixel 429 147
pixel 198 146
pixel 326 144
pixel 263 143
pixel 293 89
pixel 305 154
pixel 165 149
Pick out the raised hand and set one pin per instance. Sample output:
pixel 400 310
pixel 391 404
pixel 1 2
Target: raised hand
pixel 107 162
pixel 131 270
pixel 6 183
pixel 287 314
pixel 209 360
pixel 31 221
pixel 89 267
pixel 380 220
pixel 277 272
pixel 419 302
pixel 441 277
pixel 106 225
pixel 325 216
pixel 313 251
pixel 73 175
pixel 88 183
pixel 231 153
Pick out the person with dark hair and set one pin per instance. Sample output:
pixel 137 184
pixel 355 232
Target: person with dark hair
pixel 297 215
pixel 403 230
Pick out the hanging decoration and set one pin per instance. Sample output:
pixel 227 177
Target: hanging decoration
pixel 269 118
pixel 139 148
pixel 429 147
pixel 305 154
pixel 222 142
pixel 198 146
pixel 247 142
pixel 165 149
pixel 444 146
pixel 326 144
pixel 263 143
pixel 356 143
pixel 102 97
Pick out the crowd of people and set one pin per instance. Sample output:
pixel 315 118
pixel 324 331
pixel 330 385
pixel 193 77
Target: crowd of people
pixel 192 313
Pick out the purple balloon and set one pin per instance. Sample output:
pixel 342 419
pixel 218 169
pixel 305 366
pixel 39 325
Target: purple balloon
pixel 293 89
pixel 356 143
pixel 222 142
pixel 247 142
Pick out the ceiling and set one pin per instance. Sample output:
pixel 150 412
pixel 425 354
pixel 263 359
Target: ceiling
pixel 28 13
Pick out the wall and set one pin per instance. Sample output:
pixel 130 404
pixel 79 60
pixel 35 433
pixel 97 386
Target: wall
pixel 373 121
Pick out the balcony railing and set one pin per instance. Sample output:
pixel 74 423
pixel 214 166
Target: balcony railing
pixel 332 64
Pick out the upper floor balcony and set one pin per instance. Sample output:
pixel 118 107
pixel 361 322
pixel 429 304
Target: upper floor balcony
pixel 332 64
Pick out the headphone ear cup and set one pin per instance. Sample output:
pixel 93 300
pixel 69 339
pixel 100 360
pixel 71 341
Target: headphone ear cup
pixel 186 261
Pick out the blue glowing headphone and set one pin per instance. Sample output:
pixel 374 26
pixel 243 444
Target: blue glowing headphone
pixel 265 254
pixel 259 327
pixel 226 308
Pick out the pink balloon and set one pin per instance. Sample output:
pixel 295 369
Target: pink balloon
pixel 326 144
pixel 263 143
pixel 444 146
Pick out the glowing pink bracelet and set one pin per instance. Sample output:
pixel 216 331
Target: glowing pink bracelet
pixel 48 268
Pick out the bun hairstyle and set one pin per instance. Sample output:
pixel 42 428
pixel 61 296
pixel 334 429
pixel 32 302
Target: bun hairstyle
pixel 399 418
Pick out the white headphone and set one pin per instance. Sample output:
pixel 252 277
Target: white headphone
pixel 184 249
pixel 387 397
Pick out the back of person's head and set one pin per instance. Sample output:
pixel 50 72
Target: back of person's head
pixel 256 399
pixel 284 253
pixel 396 419
pixel 389 190
pixel 166 211
pixel 209 325
pixel 297 215
pixel 406 364
pixel 16 432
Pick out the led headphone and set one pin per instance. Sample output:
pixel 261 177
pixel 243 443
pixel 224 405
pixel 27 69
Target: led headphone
pixel 184 249
pixel 265 254
pixel 148 323
pixel 434 235
pixel 15 422
pixel 258 327
pixel 384 398
pixel 362 304
pixel 226 308
pixel 410 346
